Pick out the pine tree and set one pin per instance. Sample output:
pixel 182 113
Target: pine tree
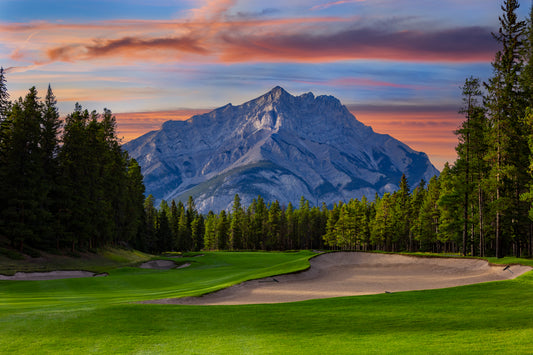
pixel 417 199
pixel 236 225
pixel 4 96
pixel 210 241
pixel 429 217
pixel 449 206
pixel 5 124
pixel 400 216
pixel 163 232
pixel 526 77
pixel 135 199
pixel 330 236
pixel 50 145
pixel 505 106
pixel 197 233
pixel 273 227
pixel 184 234
pixel 21 174
pixel 292 226
pixel 470 165
pixel 303 224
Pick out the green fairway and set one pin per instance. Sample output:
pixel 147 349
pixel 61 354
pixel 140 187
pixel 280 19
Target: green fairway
pixel 95 315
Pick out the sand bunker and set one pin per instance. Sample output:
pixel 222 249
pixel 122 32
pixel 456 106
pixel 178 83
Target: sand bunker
pixel 184 266
pixel 52 275
pixel 351 274
pixel 158 264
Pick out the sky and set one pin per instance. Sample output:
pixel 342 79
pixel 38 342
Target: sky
pixel 398 65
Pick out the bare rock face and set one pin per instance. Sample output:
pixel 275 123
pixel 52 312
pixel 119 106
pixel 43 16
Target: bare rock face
pixel 279 146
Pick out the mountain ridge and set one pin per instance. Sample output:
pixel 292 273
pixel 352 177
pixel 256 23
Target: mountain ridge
pixel 314 148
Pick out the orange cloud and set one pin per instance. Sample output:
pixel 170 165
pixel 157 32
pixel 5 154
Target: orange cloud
pixel 124 47
pixel 212 34
pixel 423 129
pixel 134 124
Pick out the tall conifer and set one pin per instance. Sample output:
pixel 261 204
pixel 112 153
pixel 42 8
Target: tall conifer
pixel 505 107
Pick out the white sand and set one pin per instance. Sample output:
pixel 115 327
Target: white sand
pixel 52 275
pixel 351 274
pixel 158 264
pixel 184 266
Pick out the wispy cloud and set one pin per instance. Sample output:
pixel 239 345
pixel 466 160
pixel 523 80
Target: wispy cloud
pixel 466 44
pixel 212 34
pixel 125 47
pixel 334 3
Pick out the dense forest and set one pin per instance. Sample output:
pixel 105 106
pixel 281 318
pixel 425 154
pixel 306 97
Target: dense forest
pixel 65 184
pixel 68 184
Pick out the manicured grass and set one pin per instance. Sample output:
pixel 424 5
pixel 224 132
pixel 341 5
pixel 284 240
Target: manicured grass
pixel 508 260
pixel 104 260
pixel 207 273
pixel 494 317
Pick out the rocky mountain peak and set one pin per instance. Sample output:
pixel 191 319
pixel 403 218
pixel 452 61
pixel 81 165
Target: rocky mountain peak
pixel 278 146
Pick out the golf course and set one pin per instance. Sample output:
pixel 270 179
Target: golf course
pixel 108 314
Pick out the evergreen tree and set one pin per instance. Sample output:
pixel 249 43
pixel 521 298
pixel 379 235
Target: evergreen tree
pixel 49 143
pixel 330 236
pixel 381 226
pixel 449 205
pixel 509 152
pixel 526 77
pixel 21 174
pixel 197 233
pixel 192 212
pixel 149 240
pixel 273 237
pixel 400 215
pixel 4 96
pixel 470 164
pixel 133 208
pixel 303 224
pixel 5 124
pixel 163 233
pixel 428 218
pixel 292 226
pixel 184 233
pixel 210 238
pixel 236 225
pixel 174 222
pixel 258 220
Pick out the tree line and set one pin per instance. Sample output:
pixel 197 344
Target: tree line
pixel 65 183
pixel 492 187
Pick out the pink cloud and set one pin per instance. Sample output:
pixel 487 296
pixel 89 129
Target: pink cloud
pixel 334 3
pixel 210 34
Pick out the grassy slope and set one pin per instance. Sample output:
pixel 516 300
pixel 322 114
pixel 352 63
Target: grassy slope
pixel 206 274
pixel 491 317
pixel 104 260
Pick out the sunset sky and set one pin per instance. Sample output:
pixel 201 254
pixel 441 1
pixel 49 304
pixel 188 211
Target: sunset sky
pixel 397 64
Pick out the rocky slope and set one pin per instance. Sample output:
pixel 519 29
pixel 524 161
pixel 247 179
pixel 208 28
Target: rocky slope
pixel 278 146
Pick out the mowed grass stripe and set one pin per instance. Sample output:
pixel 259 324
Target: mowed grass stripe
pixel 208 273
pixel 494 317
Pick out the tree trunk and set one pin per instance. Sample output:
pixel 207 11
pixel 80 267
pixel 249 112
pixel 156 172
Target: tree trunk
pixel 481 234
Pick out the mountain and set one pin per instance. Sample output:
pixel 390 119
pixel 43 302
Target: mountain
pixel 278 146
